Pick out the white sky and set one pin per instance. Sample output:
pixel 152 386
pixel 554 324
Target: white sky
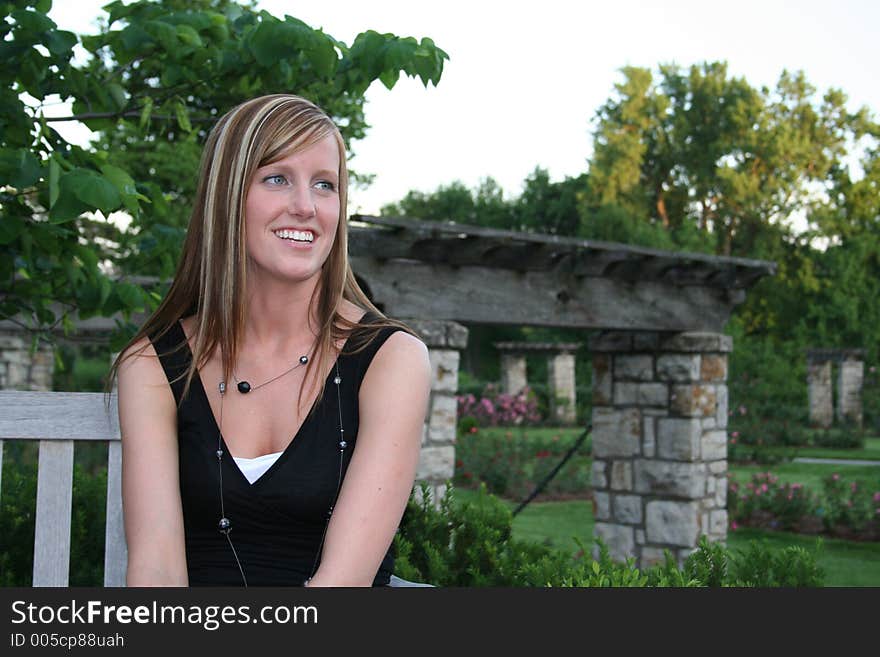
pixel 525 79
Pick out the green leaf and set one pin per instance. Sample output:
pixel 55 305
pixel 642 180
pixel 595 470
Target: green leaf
pixel 81 190
pixel 120 178
pixel 54 176
pixel 19 168
pixel 146 112
pixel 60 42
pixel 189 36
pixel 323 57
pixel 10 228
pixel 164 33
pixel 182 117
pixel 131 296
pixel 389 78
pixel 117 93
pixel 32 21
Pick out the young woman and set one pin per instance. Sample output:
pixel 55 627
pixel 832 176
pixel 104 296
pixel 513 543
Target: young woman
pixel 271 416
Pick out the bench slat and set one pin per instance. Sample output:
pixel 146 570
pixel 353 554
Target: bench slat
pixel 57 415
pixel 54 499
pixel 115 550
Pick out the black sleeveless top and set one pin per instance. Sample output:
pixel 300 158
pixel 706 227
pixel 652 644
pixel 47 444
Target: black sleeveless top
pixel 278 521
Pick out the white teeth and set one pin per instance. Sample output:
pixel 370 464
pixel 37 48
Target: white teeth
pixel 296 235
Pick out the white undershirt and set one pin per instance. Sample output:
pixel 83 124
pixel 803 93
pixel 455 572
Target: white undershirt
pixel 254 468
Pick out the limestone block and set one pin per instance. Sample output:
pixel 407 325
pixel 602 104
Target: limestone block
pixel 424 433
pixel 642 394
pixel 697 342
pixel 649 447
pixel 667 478
pixel 713 445
pixel 627 509
pixel 672 523
pixel 721 405
pixel 441 423
pixel 621 475
pixel 602 506
pixel 436 462
pixel 439 333
pixel 640 536
pixel 713 367
pixel 718 522
pixel 721 492
pixel 710 486
pixel 683 368
pixel 718 467
pixel 602 379
pixel 598 479
pixel 708 423
pixel 616 433
pixel 12 342
pixel 444 369
pixel 638 367
pixel 693 400
pixel 679 439
pixel 620 540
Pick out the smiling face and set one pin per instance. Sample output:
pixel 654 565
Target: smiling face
pixel 292 212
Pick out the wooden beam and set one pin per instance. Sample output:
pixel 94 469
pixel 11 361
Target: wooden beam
pixel 496 296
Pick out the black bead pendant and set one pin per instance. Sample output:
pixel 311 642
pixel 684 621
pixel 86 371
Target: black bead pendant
pixel 244 387
pixel 303 360
pixel 225 526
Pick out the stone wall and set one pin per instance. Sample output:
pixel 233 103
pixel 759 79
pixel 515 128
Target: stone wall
pixel 19 368
pixel 660 411
pixel 445 340
pixel 513 373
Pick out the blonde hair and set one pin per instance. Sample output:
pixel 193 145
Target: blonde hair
pixel 211 276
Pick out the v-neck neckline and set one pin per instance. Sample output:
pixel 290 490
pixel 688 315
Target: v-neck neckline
pixel 291 445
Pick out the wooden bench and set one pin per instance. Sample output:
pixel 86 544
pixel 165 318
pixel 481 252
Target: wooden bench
pixel 57 420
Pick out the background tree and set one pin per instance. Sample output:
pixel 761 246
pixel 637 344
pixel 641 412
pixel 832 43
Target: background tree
pixel 159 75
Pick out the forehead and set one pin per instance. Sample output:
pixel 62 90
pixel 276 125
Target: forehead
pixel 322 152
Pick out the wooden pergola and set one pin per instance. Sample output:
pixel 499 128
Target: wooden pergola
pixel 480 275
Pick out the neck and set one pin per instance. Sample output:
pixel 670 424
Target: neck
pixel 279 318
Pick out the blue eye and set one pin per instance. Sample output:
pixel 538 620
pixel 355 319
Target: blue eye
pixel 326 185
pixel 275 179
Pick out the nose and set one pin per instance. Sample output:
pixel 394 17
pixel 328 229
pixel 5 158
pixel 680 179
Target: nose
pixel 300 202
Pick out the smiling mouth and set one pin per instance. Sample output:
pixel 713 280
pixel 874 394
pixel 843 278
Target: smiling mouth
pixel 304 236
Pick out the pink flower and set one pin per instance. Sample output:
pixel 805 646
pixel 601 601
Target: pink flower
pixel 742 410
pixel 853 487
pixel 877 496
pixel 735 434
pixel 835 477
pixel 733 441
pixel 733 525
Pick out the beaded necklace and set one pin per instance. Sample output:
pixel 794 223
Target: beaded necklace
pixel 225 524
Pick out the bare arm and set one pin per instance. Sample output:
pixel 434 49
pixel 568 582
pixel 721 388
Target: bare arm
pixel 393 401
pixel 150 482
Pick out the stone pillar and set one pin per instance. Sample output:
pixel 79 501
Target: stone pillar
pixel 561 380
pixel 19 368
pixel 849 390
pixel 445 340
pixel 513 373
pixel 659 442
pixel 819 392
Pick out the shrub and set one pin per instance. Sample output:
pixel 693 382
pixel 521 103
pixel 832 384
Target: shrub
pixel 850 506
pixel 471 545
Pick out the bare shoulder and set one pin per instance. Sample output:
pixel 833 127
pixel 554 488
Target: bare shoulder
pixel 141 372
pixel 401 355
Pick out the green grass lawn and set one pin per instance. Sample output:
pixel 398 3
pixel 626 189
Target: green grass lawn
pixel 556 524
pixel 870 452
